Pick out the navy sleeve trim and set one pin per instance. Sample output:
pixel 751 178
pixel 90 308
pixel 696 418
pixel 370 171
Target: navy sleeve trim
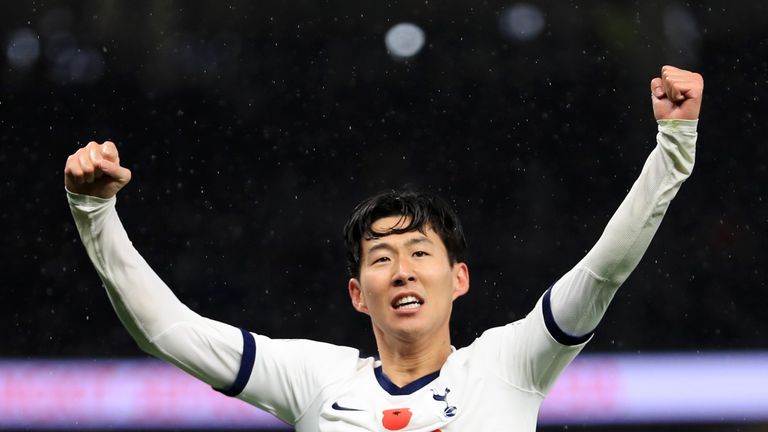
pixel 246 366
pixel 556 332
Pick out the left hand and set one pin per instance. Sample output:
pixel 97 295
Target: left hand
pixel 677 94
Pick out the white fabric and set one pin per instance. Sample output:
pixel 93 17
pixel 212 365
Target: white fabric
pixel 157 320
pixel 497 383
pixel 580 298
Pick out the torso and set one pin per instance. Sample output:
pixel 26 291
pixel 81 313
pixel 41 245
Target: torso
pixel 464 395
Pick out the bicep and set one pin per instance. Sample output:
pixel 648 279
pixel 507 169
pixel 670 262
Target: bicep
pixel 208 350
pixel 579 300
pixel 533 353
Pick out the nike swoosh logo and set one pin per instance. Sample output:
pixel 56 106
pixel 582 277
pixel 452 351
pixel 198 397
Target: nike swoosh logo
pixel 338 407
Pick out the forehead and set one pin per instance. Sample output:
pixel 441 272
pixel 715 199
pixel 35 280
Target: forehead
pixel 386 224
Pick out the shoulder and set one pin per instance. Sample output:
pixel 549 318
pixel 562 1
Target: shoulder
pixel 287 375
pixel 489 342
pixel 523 353
pixel 304 351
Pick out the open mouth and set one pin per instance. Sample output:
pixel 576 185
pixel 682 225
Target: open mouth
pixel 407 302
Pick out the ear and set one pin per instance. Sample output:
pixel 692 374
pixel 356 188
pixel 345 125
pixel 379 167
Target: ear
pixel 356 295
pixel 460 279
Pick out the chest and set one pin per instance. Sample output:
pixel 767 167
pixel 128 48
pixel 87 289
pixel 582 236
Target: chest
pixel 451 402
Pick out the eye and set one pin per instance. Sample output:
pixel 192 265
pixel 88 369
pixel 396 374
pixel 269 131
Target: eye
pixel 420 254
pixel 382 259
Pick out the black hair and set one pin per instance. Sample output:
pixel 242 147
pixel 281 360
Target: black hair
pixel 421 209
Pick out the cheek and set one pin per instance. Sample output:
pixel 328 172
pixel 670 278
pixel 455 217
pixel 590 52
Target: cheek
pixel 439 274
pixel 372 284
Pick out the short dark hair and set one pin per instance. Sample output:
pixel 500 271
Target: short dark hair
pixel 421 209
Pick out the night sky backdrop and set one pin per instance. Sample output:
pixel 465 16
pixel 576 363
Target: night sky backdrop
pixel 253 128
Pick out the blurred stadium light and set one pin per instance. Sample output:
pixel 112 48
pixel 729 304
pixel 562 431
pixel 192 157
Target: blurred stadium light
pixel 23 49
pixel 404 40
pixel 522 22
pixel 595 389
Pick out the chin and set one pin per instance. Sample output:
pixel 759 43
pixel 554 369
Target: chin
pixel 411 329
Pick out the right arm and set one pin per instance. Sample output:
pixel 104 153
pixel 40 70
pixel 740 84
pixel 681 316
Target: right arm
pixel 287 374
pixel 159 323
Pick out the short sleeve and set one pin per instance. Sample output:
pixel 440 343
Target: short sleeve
pixel 286 375
pixel 532 352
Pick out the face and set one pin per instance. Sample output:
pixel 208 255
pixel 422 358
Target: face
pixel 407 284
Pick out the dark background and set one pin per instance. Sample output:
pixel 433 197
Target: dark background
pixel 253 128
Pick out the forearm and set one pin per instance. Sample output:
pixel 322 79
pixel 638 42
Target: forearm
pixel 580 298
pixel 630 230
pixel 155 318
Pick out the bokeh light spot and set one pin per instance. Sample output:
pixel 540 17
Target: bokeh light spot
pixel 404 40
pixel 522 22
pixel 23 49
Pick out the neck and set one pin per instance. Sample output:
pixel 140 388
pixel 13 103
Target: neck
pixel 406 361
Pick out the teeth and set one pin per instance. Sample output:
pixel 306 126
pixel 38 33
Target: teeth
pixel 408 302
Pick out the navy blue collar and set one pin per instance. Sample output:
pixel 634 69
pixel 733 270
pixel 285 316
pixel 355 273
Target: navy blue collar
pixel 409 388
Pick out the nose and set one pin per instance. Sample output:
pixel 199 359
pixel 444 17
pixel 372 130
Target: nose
pixel 404 274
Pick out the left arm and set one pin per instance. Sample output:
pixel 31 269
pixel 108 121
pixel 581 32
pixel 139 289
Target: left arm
pixel 532 352
pixel 579 299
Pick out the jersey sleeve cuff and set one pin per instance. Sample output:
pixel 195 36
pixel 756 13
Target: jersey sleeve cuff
pixel 87 202
pixel 679 126
pixel 246 366
pixel 554 330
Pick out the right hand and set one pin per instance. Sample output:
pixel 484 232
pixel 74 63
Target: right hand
pixel 95 170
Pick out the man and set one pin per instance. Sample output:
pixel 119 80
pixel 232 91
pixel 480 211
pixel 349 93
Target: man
pixel 404 253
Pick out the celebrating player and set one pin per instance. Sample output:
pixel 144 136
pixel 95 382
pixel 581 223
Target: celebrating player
pixel 404 252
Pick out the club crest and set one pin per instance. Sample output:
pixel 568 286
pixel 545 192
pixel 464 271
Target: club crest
pixel 449 410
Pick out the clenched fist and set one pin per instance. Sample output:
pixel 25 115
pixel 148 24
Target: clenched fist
pixel 95 170
pixel 677 94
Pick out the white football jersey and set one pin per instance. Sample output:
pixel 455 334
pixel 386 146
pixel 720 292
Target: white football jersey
pixel 495 384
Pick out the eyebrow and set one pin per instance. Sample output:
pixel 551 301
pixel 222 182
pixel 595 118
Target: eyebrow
pixel 409 242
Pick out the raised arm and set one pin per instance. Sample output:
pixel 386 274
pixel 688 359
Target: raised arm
pixel 161 325
pixel 579 299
